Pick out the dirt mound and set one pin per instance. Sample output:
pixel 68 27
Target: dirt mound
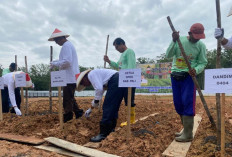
pixel 150 137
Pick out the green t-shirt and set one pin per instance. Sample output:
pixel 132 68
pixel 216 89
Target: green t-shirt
pixel 127 60
pixel 5 71
pixel 196 54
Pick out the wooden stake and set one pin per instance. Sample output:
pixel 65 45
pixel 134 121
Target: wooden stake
pixel 16 67
pixel 107 41
pixel 218 65
pixel 193 77
pixel 50 88
pixel 22 102
pixel 60 109
pixel 26 94
pixel 223 126
pixel 1 118
pixel 106 49
pixel 128 113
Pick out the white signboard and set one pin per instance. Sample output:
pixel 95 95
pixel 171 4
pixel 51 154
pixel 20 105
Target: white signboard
pixel 58 78
pixel 1 83
pixel 130 78
pixel 20 80
pixel 218 80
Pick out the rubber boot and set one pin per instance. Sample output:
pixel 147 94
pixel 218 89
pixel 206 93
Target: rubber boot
pixel 79 113
pixel 181 132
pixel 188 129
pixel 132 117
pixel 105 130
pixel 68 116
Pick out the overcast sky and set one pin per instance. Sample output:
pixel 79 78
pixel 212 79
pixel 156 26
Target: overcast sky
pixel 26 25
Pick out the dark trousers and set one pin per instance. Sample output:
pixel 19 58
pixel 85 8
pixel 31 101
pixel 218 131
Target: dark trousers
pixel 113 99
pixel 132 96
pixel 5 99
pixel 69 102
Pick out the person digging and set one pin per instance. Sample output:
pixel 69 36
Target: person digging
pixel 100 78
pixel 183 88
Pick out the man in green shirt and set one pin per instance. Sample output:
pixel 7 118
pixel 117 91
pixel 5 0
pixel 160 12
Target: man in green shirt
pixel 127 61
pixel 184 90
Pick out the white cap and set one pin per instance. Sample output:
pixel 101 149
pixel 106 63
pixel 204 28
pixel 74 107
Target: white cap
pixel 57 33
pixel 230 13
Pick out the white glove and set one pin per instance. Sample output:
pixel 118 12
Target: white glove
pixel 17 111
pixel 87 113
pixel 219 33
pixel 95 105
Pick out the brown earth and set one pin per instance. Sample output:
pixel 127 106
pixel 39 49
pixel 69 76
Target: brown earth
pixel 150 137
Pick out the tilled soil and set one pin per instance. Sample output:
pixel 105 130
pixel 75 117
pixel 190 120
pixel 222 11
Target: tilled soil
pixel 149 137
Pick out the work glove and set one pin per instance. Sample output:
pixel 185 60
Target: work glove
pixel 95 105
pixel 219 33
pixel 175 36
pixel 17 111
pixel 87 113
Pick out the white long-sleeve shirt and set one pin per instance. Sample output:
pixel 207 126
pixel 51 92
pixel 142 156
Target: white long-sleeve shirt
pixel 10 83
pixel 99 78
pixel 68 61
pixel 228 45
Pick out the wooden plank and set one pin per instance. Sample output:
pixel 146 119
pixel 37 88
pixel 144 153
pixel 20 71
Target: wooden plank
pixel 78 148
pixel 180 149
pixel 143 118
pixel 21 139
pixel 58 150
pixel 92 145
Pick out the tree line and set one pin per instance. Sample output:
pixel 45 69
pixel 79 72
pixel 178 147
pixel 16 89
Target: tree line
pixel 40 73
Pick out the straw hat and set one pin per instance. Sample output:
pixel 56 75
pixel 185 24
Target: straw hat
pixel 79 78
pixel 230 13
pixel 57 33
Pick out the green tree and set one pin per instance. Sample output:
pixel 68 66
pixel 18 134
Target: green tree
pixel 144 60
pixel 226 61
pixel 84 68
pixel 162 58
pixel 40 76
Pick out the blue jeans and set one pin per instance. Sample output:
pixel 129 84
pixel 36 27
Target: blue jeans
pixel 184 96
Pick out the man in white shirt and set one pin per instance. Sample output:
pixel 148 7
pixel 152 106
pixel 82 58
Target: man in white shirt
pixel 100 78
pixel 9 91
pixel 219 34
pixel 67 61
pixel 12 68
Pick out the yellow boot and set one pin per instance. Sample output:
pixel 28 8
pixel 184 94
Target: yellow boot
pixel 132 118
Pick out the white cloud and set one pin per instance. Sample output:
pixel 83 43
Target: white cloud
pixel 26 26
